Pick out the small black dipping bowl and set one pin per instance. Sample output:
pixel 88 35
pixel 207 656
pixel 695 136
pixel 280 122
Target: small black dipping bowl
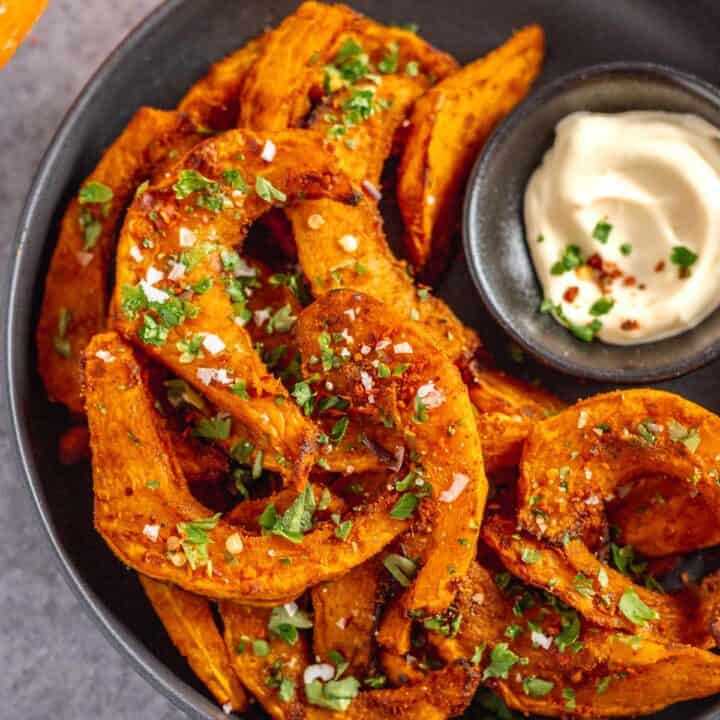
pixel 494 236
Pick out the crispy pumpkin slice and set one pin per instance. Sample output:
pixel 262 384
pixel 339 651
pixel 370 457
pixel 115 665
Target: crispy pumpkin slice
pixel 213 101
pixel 610 440
pixel 187 226
pixel 507 409
pixel 76 291
pixel 449 126
pixel 545 660
pixel 147 516
pixel 321 48
pixel 276 91
pixel 275 672
pixel 345 616
pixel 387 367
pixel 660 517
pixel 604 596
pixel 191 626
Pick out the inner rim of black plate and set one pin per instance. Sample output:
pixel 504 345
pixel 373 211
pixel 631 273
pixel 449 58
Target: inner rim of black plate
pixel 154 65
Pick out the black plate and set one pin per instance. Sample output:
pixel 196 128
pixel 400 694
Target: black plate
pixel 153 67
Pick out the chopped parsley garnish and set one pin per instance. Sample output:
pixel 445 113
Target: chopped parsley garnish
pixel 196 540
pixel 235 180
pixel 601 231
pixel 304 396
pixel 190 348
pixel 210 194
pixel 602 306
pixel 537 687
pixel 91 228
pixel 294 522
pixel 216 428
pixel 389 63
pixel 285 624
pixel 690 438
pixel 401 568
pixel 239 388
pixel 281 320
pixel 334 694
pixel 569 697
pixel 626 249
pixel 61 342
pixel 684 258
pixel 337 433
pixel 420 414
pixel 267 191
pixel 94 192
pixel 569 260
pixel 501 660
pixel 634 609
pixel 404 507
pixel 530 556
pixel 586 333
pixel 343 527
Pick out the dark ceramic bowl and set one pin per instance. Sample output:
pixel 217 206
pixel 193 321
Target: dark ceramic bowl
pixel 494 236
pixel 154 66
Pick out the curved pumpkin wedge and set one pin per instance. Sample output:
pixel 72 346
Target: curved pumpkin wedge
pixel 189 622
pixel 76 291
pixel 604 596
pixel 276 92
pixel 448 127
pixel 276 678
pixel 608 441
pixel 213 101
pixel 16 21
pixel 146 514
pixel 564 667
pixel 507 410
pixel 390 369
pixel 345 616
pixel 660 517
pixel 180 284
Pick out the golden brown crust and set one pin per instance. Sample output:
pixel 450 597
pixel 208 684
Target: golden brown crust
pixel 606 674
pixel 189 622
pixel 163 216
pixel 76 283
pixel 138 483
pixel 448 128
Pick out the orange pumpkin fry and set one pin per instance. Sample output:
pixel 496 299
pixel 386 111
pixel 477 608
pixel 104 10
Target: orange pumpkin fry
pixel 580 580
pixel 196 216
pixel 143 508
pixel 76 292
pixel 345 615
pixel 599 674
pixel 440 695
pixel 440 430
pixel 191 626
pixel 448 127
pixel 213 101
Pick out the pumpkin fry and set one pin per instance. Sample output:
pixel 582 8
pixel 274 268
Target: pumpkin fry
pixel 428 403
pixel 76 292
pixel 191 626
pixel 544 660
pixel 147 516
pixel 448 127
pixel 203 340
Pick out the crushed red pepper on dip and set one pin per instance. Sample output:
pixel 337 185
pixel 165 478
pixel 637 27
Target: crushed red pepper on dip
pixel 623 223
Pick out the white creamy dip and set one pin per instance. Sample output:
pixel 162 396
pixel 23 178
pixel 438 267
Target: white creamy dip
pixel 623 222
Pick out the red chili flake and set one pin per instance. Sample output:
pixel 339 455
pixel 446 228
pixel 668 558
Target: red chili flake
pixel 630 325
pixel 571 293
pixel 660 266
pixel 629 281
pixel 595 261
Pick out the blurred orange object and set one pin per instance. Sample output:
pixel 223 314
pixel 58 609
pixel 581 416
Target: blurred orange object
pixel 16 19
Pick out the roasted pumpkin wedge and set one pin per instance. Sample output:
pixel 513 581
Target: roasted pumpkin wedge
pixel 191 626
pixel 448 127
pixel 146 514
pixel 181 286
pixel 544 659
pixel 604 596
pixel 280 675
pixel 76 293
pixel 389 370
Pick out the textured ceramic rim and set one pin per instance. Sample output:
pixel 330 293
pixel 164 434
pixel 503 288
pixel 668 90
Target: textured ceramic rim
pixel 471 208
pixel 184 697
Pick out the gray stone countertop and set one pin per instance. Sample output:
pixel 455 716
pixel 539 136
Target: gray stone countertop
pixel 56 664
